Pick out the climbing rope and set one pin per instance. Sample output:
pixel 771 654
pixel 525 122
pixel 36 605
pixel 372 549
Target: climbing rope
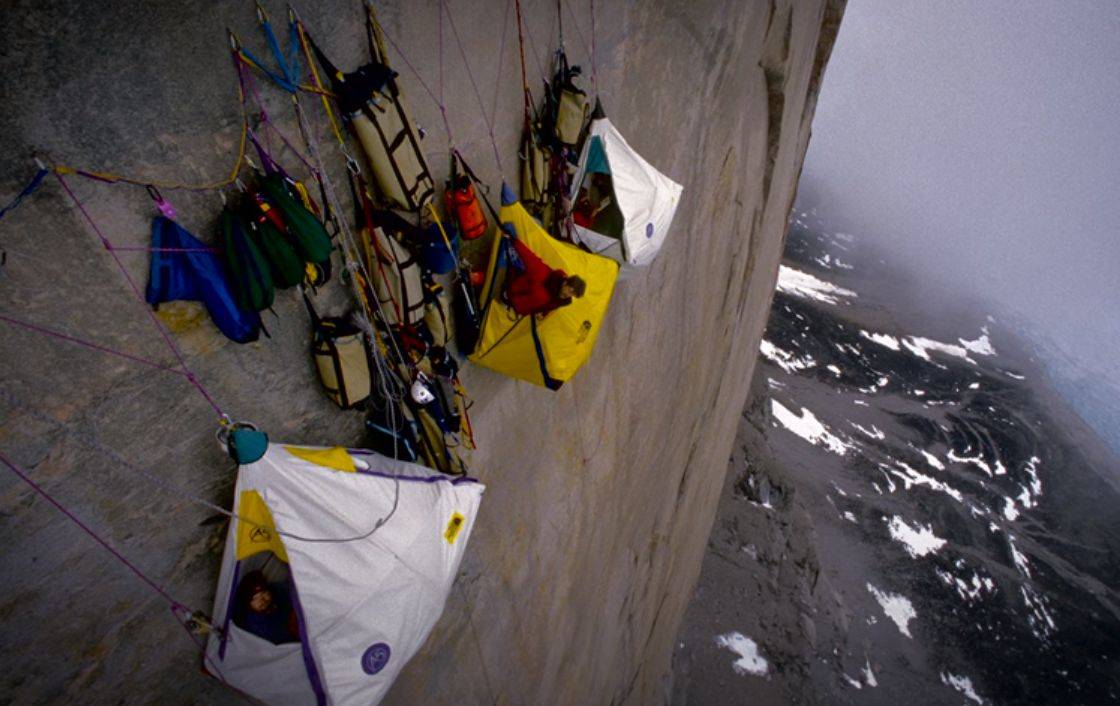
pixel 594 74
pixel 53 333
pixel 31 188
pixel 108 245
pixel 178 609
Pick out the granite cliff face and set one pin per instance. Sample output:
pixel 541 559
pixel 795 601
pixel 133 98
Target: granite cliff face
pixel 600 497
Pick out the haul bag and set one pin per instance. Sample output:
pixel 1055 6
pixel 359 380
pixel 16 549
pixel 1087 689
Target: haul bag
pixel 396 277
pixel 534 168
pixel 570 115
pixel 390 143
pixel 338 349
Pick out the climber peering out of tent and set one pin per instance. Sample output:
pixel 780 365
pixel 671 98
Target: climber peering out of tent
pixel 544 350
pixel 622 206
pixel 536 288
pixel 349 557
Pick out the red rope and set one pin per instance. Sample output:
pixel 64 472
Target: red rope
pixel 521 48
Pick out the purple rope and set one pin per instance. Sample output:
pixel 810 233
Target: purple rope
pixel 93 535
pixel 501 60
pixel 594 78
pixel 267 122
pixel 177 608
pixel 411 67
pixel 428 90
pixel 142 248
pixel 533 48
pixel 89 344
pixel 474 85
pixel 575 23
pixel 140 297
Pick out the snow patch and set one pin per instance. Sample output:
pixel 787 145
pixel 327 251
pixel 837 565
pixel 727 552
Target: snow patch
pixel 961 684
pixel 750 661
pixel 882 339
pixel 785 360
pixel 1018 557
pixel 808 427
pixel 896 607
pixel 917 540
pixel 804 285
pixel 933 460
pixel 981 346
pixel 969 590
pixel 874 432
pixel 868 675
pixel 910 477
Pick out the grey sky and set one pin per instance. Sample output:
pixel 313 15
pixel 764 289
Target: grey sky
pixel 979 143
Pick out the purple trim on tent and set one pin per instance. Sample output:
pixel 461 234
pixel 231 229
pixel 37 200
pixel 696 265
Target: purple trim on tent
pixel 229 611
pixel 308 659
pixel 456 480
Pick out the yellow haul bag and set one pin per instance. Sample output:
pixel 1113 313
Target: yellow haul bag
pixel 544 350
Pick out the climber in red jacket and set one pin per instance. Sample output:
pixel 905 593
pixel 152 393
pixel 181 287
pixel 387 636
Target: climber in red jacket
pixel 538 289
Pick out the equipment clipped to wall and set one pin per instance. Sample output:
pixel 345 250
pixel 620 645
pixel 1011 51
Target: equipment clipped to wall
pixel 341 356
pixel 352 553
pixel 371 102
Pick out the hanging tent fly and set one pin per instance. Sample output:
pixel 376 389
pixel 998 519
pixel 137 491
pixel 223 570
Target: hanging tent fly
pixel 359 552
pixel 544 350
pixel 622 206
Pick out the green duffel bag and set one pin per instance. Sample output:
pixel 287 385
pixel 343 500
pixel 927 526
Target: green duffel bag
pixel 248 268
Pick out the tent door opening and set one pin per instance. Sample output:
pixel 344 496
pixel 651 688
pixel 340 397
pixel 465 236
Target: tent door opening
pixel 596 206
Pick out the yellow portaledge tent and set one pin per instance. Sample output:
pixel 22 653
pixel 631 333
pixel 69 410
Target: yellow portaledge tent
pixel 544 350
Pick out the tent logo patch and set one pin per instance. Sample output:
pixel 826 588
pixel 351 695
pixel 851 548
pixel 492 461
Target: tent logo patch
pixel 584 332
pixel 260 535
pixel 454 526
pixel 375 658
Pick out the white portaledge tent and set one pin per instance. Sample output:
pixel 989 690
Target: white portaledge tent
pixel 643 200
pixel 364 602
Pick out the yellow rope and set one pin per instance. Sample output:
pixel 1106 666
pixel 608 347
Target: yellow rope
pixel 174 185
pixel 319 86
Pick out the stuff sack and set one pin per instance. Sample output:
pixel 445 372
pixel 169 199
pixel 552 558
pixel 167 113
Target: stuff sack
pixel 249 270
pixel 183 268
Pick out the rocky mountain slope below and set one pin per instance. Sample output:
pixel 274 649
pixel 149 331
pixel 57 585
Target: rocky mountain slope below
pixel 910 515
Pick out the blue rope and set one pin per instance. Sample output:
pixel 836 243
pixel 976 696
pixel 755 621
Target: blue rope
pixel 288 79
pixel 31 187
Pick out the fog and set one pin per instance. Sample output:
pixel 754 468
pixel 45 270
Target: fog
pixel 978 144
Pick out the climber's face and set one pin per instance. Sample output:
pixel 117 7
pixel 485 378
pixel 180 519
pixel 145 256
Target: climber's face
pixel 261 601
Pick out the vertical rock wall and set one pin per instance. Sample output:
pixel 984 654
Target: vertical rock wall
pixel 600 496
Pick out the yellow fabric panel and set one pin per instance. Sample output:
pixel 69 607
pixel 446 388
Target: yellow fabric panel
pixel 255 530
pixel 336 458
pixel 567 334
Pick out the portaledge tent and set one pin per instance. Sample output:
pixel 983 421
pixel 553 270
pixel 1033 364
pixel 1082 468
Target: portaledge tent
pixel 544 350
pixel 364 605
pixel 646 198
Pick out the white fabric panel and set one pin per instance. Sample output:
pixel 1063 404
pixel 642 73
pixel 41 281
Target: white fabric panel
pixel 388 589
pixel 646 197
